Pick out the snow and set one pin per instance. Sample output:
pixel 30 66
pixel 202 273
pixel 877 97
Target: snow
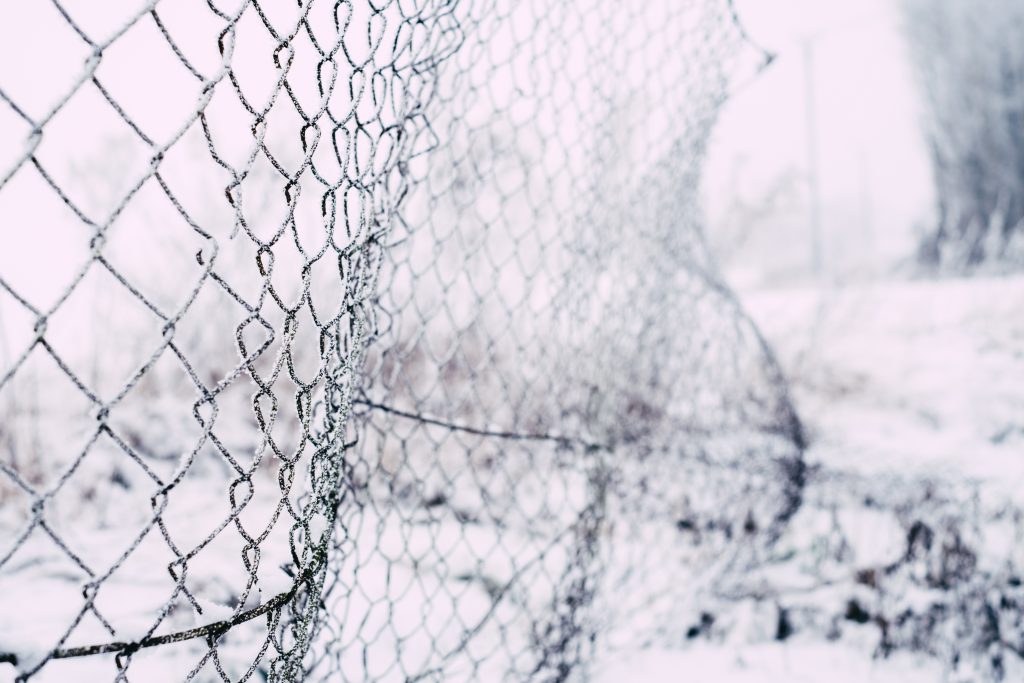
pixel 923 377
pixel 808 662
pixel 275 582
pixel 904 387
pixel 214 611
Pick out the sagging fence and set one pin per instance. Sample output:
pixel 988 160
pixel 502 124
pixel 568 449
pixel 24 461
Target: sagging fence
pixel 369 340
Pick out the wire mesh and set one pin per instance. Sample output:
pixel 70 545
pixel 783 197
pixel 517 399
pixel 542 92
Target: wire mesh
pixel 370 340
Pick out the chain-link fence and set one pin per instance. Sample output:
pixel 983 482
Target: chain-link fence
pixel 370 340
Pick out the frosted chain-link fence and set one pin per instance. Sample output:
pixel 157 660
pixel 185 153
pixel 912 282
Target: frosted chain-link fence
pixel 369 340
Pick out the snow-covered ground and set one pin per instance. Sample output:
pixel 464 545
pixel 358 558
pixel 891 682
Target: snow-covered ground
pixel 907 554
pixel 922 377
pixel 910 544
pixel 810 662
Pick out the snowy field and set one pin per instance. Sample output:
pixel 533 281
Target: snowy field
pixel 913 396
pixel 565 423
pixel 919 378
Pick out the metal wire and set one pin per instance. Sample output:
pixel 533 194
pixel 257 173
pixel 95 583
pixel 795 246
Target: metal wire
pixel 370 340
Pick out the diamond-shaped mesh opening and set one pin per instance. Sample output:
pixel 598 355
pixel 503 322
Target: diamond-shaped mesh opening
pixel 27 40
pixel 92 156
pixel 148 82
pixel 44 237
pixel 114 363
pixel 150 224
pixel 45 430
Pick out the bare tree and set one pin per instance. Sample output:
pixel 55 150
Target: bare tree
pixel 969 61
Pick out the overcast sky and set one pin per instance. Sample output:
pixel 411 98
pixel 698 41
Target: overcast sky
pixel 873 177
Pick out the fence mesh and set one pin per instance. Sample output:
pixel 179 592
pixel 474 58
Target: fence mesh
pixel 370 340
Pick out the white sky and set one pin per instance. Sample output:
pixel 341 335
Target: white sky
pixel 872 170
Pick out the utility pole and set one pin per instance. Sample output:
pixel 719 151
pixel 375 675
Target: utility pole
pixel 866 211
pixel 811 131
pixel 817 237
